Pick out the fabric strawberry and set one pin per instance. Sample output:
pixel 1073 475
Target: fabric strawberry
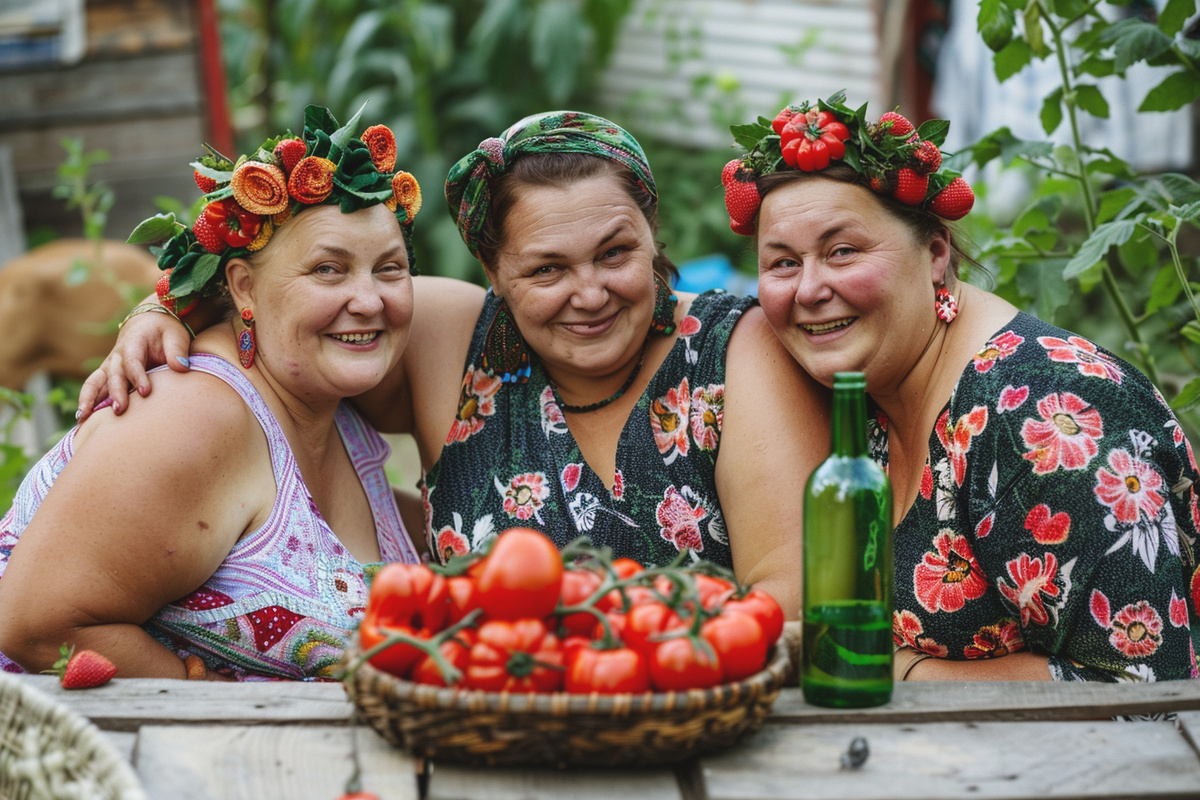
pixel 207 235
pixel 271 624
pixel 900 125
pixel 928 158
pixel 205 183
pixel 910 187
pixel 83 670
pixel 954 201
pixel 289 152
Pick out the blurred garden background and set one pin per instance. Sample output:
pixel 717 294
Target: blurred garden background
pixel 1073 119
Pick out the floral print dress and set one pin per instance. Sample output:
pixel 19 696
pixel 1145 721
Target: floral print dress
pixel 509 459
pixel 1057 513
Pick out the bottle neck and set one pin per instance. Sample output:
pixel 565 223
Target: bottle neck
pixel 849 432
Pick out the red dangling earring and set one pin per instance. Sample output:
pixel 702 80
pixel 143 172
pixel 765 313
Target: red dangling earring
pixel 945 305
pixel 247 347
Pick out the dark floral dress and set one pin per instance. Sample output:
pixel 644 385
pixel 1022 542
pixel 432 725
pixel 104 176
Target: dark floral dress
pixel 1057 512
pixel 509 459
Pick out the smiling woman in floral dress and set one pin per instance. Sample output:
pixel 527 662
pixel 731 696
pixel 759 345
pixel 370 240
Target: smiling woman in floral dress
pixel 1045 495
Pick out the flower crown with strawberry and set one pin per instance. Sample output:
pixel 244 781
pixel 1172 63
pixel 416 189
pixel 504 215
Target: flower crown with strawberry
pixel 247 200
pixel 896 159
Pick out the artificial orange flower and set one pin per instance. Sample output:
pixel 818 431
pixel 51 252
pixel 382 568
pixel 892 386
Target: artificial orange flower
pixel 264 236
pixel 312 180
pixel 407 192
pixel 260 188
pixel 381 143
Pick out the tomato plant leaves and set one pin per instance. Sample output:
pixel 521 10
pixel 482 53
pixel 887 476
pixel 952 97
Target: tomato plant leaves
pixel 1090 100
pixel 1134 40
pixel 1097 245
pixel 1176 91
pixel 996 22
pixel 1188 397
pixel 1052 111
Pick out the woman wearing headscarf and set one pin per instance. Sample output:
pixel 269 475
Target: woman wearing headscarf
pixel 580 395
pixel 224 529
pixel 1045 496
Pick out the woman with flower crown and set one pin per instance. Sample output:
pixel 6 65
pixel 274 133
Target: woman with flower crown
pixel 580 395
pixel 223 530
pixel 1045 495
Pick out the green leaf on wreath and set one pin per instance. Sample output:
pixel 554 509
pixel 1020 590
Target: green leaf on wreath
pixel 934 130
pixel 1096 246
pixel 156 229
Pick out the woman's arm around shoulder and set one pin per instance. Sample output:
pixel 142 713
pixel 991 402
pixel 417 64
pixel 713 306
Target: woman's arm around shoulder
pixel 148 507
pixel 775 432
pixel 421 395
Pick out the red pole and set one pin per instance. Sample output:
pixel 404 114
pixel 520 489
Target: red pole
pixel 220 132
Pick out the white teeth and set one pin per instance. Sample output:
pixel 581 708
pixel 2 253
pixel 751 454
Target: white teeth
pixel 826 327
pixel 355 338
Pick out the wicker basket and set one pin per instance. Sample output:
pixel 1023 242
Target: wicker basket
pixel 484 728
pixel 48 752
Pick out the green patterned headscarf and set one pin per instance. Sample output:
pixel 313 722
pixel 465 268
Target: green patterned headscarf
pixel 469 185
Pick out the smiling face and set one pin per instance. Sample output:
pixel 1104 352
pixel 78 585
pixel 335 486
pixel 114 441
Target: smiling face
pixel 332 301
pixel 845 284
pixel 576 271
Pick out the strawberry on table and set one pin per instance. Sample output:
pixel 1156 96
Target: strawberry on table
pixel 83 670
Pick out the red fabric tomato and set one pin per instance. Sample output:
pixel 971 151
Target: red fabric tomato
pixel 515 656
pixel 521 577
pixel 647 621
pixel 762 607
pixel 577 586
pixel 456 650
pixel 617 671
pixel 683 663
pixel 739 644
pixel 236 226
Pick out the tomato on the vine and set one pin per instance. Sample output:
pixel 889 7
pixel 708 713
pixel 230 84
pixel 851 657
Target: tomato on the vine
pixel 625 568
pixel 617 671
pixel 456 650
pixel 763 607
pixel 463 597
pixel 521 577
pixel 409 599
pixel 647 621
pixel 683 663
pixel 738 642
pixel 515 656
pixel 577 586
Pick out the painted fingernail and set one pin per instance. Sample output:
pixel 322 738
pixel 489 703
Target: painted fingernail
pixel 187 362
pixel 78 413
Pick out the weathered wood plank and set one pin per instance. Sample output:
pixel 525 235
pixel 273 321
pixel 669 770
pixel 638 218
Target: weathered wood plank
pixel 126 743
pixel 455 782
pixel 230 762
pixel 944 760
pixel 956 701
pixel 1189 726
pixel 127 704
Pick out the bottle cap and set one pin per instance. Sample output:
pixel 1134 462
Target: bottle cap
pixel 849 380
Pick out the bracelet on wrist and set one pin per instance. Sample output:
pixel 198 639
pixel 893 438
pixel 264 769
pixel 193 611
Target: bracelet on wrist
pixel 155 307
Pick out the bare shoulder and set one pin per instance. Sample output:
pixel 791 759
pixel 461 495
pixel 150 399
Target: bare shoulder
pixel 439 296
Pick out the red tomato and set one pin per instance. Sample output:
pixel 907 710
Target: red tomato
pixel 646 621
pixel 572 643
pixel 739 644
pixel 411 595
pixel 521 577
pixel 626 568
pixel 577 586
pixel 616 621
pixel 632 596
pixel 762 607
pixel 456 650
pixel 395 660
pixel 683 664
pixel 712 590
pixel 515 656
pixel 617 671
pixel 464 597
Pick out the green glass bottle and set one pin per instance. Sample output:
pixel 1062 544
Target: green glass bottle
pixel 847 657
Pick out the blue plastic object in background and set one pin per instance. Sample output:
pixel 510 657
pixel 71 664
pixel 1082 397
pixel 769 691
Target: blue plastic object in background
pixel 714 272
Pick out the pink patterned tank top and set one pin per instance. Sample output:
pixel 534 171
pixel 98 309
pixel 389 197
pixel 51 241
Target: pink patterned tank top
pixel 283 601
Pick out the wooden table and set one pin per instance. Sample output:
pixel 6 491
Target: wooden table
pixel 960 740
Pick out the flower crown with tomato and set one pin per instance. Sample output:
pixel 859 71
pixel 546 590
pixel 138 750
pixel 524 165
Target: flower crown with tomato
pixel 896 159
pixel 248 200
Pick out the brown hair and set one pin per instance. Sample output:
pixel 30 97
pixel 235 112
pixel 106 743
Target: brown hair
pixel 561 170
pixel 922 224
